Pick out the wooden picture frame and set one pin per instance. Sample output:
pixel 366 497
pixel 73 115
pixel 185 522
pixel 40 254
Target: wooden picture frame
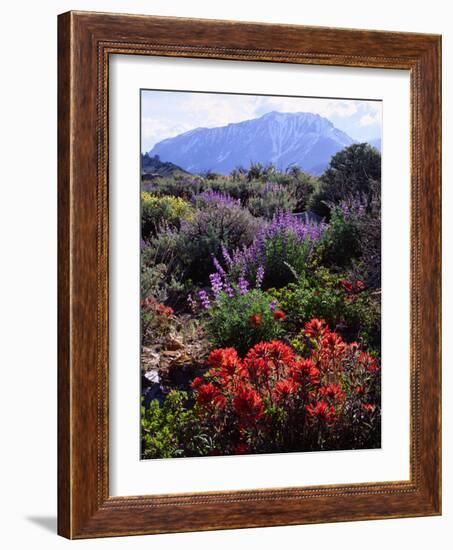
pixel 85 41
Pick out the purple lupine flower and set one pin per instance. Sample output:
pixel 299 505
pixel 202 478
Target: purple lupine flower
pixel 355 206
pixel 345 209
pixel 243 285
pixel 216 198
pixel 204 298
pixel 229 290
pixel 249 261
pixel 218 267
pixel 259 276
pixel 272 188
pixel 226 256
pixel 216 284
pixel 273 305
pixel 285 223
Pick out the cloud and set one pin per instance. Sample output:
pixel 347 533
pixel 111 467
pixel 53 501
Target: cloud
pixel 213 110
pixel 369 119
pixel 323 107
pixel 154 128
pixel 167 114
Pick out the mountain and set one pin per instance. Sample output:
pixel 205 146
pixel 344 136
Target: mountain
pixel 284 139
pixel 153 166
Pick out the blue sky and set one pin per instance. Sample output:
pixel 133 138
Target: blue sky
pixel 167 114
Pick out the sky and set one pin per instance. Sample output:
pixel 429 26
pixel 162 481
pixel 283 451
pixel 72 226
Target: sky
pixel 167 114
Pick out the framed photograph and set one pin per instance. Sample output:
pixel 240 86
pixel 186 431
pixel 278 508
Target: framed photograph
pixel 249 275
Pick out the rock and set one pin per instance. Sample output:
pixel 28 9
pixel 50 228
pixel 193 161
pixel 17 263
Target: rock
pixel 173 343
pixel 152 376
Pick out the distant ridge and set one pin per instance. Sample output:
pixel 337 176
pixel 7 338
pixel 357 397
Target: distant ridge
pixel 304 139
pixel 153 166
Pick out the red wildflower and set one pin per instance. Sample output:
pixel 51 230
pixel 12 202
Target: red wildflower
pixel 279 315
pixel 279 351
pixel 332 392
pixel 369 407
pixel 360 390
pixel 365 358
pixel 333 344
pixel 257 368
pixel 316 328
pixel 373 366
pixel 360 285
pixel 197 382
pixel 216 357
pixel 149 304
pixel 284 389
pixel 208 394
pixel 225 361
pixel 368 361
pixel 353 288
pixel 164 310
pixel 269 356
pixel 305 372
pixel 220 401
pixel 256 320
pixel 347 285
pixel 248 404
pixel 312 395
pixel 322 411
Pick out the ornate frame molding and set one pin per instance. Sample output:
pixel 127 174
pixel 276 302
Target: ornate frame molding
pixel 86 40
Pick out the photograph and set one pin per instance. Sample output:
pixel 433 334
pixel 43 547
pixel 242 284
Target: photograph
pixel 260 253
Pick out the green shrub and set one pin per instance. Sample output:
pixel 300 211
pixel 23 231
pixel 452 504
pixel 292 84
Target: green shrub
pixel 201 238
pixel 272 199
pixel 302 185
pixel 158 211
pixel 322 295
pixel 238 188
pixel 172 430
pixel 178 186
pixel 282 247
pixel 243 320
pixel 240 184
pixel 370 242
pixel 285 254
pixel 259 171
pixel 351 172
pixel 340 242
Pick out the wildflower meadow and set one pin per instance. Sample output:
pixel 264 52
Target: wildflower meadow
pixel 260 309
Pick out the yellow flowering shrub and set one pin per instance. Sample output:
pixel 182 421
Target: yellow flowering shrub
pixel 157 211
